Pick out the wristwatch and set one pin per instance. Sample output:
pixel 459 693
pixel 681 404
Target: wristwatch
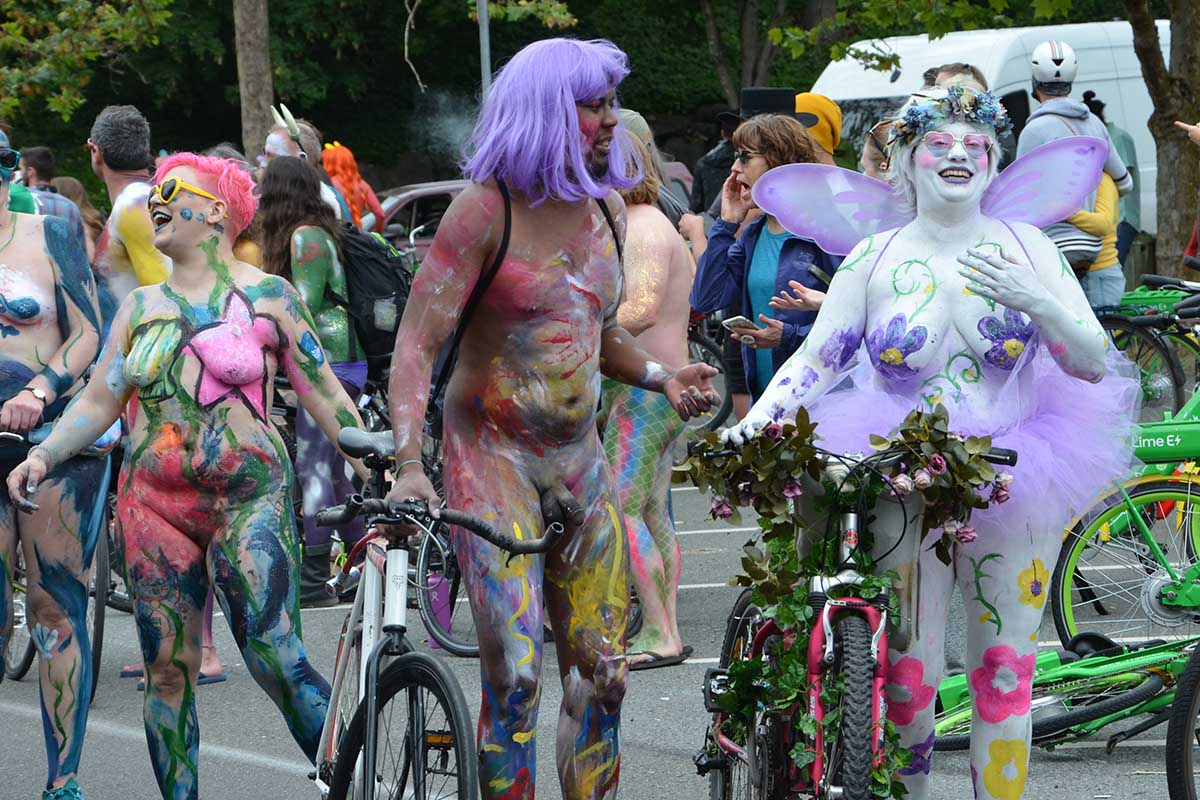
pixel 36 392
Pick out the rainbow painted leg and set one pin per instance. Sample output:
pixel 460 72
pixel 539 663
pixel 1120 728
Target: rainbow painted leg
pixel 639 439
pixel 168 581
pixel 587 593
pixel 256 576
pixel 58 542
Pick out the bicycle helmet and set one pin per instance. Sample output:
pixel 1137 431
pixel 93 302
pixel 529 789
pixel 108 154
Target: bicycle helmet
pixel 1054 62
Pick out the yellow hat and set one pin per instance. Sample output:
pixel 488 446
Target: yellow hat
pixel 828 130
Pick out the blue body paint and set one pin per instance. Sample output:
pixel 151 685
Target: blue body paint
pixel 186 214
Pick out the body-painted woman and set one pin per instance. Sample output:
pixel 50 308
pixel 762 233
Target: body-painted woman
pixel 204 493
pixel 302 244
pixel 981 315
pixel 49 336
pixel 520 413
pixel 640 427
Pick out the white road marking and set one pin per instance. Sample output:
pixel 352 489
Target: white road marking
pixel 702 661
pixel 718 530
pixel 685 488
pixel 706 586
pixel 129 733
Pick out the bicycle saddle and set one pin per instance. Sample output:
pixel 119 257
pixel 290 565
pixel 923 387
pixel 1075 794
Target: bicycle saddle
pixel 357 444
pixel 1088 644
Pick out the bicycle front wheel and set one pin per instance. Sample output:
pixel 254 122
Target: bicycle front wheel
pixel 1159 368
pixel 732 781
pixel 425 742
pixel 1109 580
pixel 1183 730
pixel 442 595
pixel 21 650
pixel 848 754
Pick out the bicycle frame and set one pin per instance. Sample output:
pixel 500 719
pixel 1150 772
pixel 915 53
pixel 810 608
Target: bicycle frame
pixel 381 606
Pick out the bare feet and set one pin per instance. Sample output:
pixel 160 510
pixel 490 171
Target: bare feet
pixel 210 662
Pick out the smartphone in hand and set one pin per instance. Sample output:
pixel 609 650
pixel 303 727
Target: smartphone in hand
pixel 737 322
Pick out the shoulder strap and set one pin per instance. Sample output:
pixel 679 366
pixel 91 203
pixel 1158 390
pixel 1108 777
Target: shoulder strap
pixel 477 293
pixel 1064 121
pixel 612 226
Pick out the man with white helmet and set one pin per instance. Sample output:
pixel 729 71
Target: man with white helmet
pixel 1054 69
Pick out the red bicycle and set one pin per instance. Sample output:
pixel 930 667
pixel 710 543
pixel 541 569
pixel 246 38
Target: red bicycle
pixel 831 746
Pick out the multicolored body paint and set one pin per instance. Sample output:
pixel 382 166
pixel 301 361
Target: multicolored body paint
pixel 948 307
pixel 125 255
pixel 639 439
pixel 50 325
pixel 205 489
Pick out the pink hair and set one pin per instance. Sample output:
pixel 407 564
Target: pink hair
pixel 225 178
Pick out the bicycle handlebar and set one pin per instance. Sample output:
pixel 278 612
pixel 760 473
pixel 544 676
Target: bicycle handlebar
pixel 397 513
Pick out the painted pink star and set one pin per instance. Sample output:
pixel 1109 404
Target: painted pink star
pixel 231 353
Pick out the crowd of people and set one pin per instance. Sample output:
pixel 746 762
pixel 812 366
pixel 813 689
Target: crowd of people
pixel 573 267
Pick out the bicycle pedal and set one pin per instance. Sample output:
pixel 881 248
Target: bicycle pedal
pixel 716 685
pixel 706 762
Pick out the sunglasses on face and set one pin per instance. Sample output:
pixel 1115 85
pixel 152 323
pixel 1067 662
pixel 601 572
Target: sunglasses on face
pixel 939 144
pixel 743 156
pixel 9 158
pixel 169 189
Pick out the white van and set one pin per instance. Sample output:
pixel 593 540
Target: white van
pixel 1107 65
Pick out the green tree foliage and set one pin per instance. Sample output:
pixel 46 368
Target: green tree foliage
pixel 50 47
pixel 550 13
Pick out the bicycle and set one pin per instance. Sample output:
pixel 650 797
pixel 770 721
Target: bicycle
pixel 21 649
pixel 705 348
pixel 748 751
pixel 1080 690
pixel 433 743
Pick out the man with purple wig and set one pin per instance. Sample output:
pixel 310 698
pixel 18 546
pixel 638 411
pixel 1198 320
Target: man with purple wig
pixel 520 410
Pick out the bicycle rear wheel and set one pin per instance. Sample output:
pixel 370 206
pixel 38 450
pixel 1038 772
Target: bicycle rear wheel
pixel 1187 351
pixel 118 598
pixel 442 595
pixel 848 753
pixel 21 650
pixel 703 349
pixel 1161 373
pixel 1108 580
pixel 1183 734
pixel 424 739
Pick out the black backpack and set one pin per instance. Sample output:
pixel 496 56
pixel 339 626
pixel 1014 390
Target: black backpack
pixel 377 285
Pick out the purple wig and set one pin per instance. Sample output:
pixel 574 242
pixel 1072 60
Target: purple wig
pixel 528 129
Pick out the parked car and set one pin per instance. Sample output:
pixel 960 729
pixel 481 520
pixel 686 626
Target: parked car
pixel 415 207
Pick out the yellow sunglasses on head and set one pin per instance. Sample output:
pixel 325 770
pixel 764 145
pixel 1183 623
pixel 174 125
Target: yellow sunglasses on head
pixel 169 189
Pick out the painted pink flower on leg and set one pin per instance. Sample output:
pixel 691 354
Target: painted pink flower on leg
pixel 1002 683
pixel 906 677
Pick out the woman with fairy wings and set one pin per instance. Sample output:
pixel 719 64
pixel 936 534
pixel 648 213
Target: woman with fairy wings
pixel 970 306
pixel 50 319
pixel 204 495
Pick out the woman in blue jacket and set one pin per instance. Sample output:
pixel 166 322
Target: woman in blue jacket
pixel 757 269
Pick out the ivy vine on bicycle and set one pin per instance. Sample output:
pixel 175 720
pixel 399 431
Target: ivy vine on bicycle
pixel 944 469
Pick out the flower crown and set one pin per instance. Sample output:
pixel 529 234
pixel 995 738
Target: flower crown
pixel 925 112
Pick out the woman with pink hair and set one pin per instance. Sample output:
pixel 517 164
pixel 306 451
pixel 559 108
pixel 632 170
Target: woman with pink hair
pixel 205 490
pixel 342 167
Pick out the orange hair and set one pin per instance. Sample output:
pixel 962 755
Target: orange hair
pixel 339 162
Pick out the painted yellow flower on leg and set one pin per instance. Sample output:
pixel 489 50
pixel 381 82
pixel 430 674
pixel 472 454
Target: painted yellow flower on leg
pixel 1033 582
pixel 1004 776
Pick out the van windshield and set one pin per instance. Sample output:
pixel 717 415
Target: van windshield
pixel 859 116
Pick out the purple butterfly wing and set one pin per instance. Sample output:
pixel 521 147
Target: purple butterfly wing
pixel 834 207
pixel 1049 183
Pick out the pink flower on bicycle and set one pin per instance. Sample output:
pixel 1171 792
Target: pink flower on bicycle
pixel 792 490
pixel 1002 683
pixel 906 679
pixel 937 464
pixel 772 430
pixel 721 509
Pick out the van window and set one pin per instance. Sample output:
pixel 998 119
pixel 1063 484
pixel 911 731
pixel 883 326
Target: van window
pixel 859 116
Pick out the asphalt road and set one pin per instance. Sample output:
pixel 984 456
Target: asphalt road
pixel 246 751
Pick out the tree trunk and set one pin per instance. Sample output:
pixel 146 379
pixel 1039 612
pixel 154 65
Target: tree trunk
pixel 1173 91
pixel 751 38
pixel 767 51
pixel 255 85
pixel 715 54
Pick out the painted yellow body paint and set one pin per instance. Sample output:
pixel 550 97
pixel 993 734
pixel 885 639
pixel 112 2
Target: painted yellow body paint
pixel 523 737
pixel 528 657
pixel 493 748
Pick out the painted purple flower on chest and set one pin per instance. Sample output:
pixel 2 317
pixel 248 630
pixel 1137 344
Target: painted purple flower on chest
pixel 889 346
pixel 840 348
pixel 1008 338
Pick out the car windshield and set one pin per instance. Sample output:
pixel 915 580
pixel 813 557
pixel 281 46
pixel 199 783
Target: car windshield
pixel 859 116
